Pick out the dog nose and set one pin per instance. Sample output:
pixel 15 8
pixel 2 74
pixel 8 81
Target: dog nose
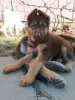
pixel 37 34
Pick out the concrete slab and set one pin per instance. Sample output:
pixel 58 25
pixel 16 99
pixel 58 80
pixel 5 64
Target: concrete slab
pixel 9 84
pixel 10 89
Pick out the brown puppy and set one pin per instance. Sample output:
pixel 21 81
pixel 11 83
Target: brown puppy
pixel 46 47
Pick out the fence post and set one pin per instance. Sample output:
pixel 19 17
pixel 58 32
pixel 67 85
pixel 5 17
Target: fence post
pixel 73 10
pixel 12 5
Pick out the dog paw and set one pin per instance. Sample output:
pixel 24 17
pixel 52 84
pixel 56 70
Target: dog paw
pixel 26 80
pixel 59 82
pixel 68 68
pixel 6 69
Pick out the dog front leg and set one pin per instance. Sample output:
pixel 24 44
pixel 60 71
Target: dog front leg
pixel 34 67
pixel 18 64
pixel 52 77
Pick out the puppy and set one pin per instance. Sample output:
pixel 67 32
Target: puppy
pixel 42 47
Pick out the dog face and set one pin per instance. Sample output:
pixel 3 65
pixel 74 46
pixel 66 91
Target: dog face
pixel 38 25
pixel 37 30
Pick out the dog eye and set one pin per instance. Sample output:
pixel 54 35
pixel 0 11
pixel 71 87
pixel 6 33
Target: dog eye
pixel 33 24
pixel 42 24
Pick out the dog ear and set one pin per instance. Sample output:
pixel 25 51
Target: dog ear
pixel 37 14
pixel 44 16
pixel 31 16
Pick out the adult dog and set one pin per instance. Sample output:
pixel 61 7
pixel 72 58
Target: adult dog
pixel 11 20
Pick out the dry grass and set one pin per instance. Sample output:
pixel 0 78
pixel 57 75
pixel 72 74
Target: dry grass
pixel 8 45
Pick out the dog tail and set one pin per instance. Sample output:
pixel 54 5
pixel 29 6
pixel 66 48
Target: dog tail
pixel 55 66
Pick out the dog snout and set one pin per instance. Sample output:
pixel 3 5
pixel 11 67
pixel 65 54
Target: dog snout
pixel 38 34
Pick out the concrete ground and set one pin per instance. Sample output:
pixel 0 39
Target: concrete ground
pixel 10 89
